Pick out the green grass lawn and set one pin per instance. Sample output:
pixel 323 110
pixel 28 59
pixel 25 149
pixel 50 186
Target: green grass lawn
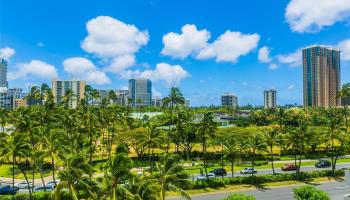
pixel 6 171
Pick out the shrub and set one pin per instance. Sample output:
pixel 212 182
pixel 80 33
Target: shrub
pixel 240 196
pixel 199 184
pixel 215 182
pixel 259 163
pixel 310 193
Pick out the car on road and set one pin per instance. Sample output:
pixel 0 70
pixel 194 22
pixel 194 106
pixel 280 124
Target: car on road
pixel 219 172
pixel 248 170
pixel 42 188
pixel 289 167
pixel 323 164
pixel 52 183
pixel 203 177
pixel 23 185
pixel 8 189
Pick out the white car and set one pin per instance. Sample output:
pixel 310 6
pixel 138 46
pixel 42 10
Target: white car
pixel 203 177
pixel 42 188
pixel 23 185
pixel 248 170
pixel 52 183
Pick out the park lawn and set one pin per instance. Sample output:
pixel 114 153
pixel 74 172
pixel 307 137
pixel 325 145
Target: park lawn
pixel 6 171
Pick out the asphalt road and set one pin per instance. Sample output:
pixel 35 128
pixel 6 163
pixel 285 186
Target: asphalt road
pixel 278 170
pixel 336 190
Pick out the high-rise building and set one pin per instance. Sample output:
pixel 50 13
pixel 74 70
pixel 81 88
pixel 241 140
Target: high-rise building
pixel 61 87
pixel 122 97
pixel 270 99
pixel 157 102
pixel 321 76
pixel 3 72
pixel 11 98
pixel 140 92
pixel 229 100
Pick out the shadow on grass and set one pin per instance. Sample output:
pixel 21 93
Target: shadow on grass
pixel 261 187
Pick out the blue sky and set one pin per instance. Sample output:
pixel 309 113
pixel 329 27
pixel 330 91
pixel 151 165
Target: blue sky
pixel 204 47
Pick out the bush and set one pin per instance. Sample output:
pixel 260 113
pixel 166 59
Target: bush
pixel 215 182
pixel 199 184
pixel 310 193
pixel 36 196
pixel 259 163
pixel 240 196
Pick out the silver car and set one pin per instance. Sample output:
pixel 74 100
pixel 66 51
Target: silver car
pixel 42 189
pixel 248 170
pixel 23 185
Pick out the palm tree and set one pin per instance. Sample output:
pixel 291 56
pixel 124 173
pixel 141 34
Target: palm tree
pixel 171 177
pixel 256 143
pixel 206 129
pixel 343 94
pixel 3 118
pixel 73 175
pixel 112 96
pixel 271 136
pixel 174 98
pixel 17 146
pixel 117 171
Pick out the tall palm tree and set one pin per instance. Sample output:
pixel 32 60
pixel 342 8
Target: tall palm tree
pixel 171 177
pixel 174 98
pixel 271 136
pixel 73 175
pixel 112 97
pixel 256 143
pixel 17 146
pixel 206 129
pixel 117 171
pixel 343 94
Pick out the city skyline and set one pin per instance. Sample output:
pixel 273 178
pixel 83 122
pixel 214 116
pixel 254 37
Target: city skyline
pixel 41 44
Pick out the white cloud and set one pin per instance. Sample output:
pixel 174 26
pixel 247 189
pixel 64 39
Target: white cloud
pixel 313 15
pixel 7 53
pixel 34 68
pixel 84 69
pixel 40 44
pixel 156 93
pixel 188 42
pixel 292 59
pixel 171 75
pixel 344 46
pixel 264 55
pixel 121 63
pixel 230 46
pixel 273 66
pixel 109 37
pixel 291 87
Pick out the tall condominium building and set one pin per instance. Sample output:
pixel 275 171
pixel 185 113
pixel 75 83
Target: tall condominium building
pixel 140 92
pixel 270 99
pixel 11 98
pixel 229 100
pixel 122 97
pixel 3 72
pixel 321 76
pixel 61 87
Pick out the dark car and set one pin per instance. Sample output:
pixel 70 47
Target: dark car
pixel 289 167
pixel 323 164
pixel 219 172
pixel 8 189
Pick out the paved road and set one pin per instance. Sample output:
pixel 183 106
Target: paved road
pixel 278 170
pixel 336 190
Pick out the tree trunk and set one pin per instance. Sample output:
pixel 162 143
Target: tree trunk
pixel 232 168
pixel 41 176
pixel 13 172
pixel 26 178
pixel 273 168
pixel 53 170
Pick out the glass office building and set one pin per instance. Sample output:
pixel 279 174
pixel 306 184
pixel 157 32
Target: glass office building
pixel 321 76
pixel 140 92
pixel 3 72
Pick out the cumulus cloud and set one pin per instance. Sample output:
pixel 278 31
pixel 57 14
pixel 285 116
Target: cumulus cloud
pixel 34 68
pixel 6 53
pixel 109 37
pixel 313 15
pixel 264 55
pixel 121 63
pixel 344 46
pixel 83 68
pixel 188 42
pixel 171 75
pixel 230 46
pixel 273 66
pixel 292 59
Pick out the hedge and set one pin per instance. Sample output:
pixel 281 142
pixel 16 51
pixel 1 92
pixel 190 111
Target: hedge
pixel 36 196
pixel 260 179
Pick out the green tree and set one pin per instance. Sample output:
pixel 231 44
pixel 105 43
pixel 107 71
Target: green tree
pixel 239 196
pixel 310 193
pixel 171 177
pixel 271 137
